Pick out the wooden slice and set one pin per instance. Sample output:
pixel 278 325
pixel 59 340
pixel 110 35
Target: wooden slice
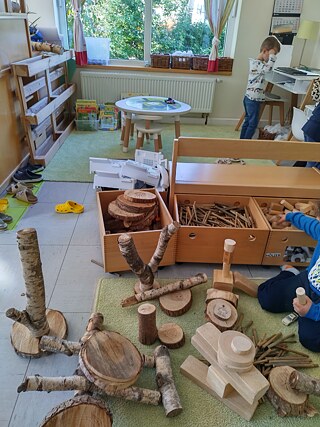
pixel 26 345
pixel 139 196
pixel 80 411
pixel 177 303
pixel 109 359
pixel 145 221
pixel 222 314
pixel 213 293
pixel 126 205
pixel 171 335
pixel 235 351
pixel 287 402
pixel 118 213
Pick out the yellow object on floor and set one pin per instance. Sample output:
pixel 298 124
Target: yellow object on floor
pixel 69 207
pixel 4 203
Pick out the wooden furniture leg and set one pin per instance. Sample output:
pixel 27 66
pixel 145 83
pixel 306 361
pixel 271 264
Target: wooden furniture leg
pixel 156 142
pixel 240 121
pixel 177 126
pixel 127 133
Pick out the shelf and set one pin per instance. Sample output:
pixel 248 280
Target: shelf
pixel 35 65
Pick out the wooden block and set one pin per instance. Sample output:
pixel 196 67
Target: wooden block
pixel 287 205
pixel 213 293
pixel 218 382
pixel 197 372
pixel 221 281
pixel 246 285
pixel 276 207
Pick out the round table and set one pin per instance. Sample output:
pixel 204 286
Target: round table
pixel 150 105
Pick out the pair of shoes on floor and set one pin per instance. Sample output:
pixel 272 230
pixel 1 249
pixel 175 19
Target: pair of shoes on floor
pixel 4 220
pixel 23 193
pixel 24 175
pixel 69 207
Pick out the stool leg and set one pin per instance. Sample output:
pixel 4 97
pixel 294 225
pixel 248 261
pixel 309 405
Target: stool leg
pixel 160 141
pixel 122 134
pixel 281 113
pixel 270 114
pixel 132 130
pixel 139 140
pixel 156 142
pixel 240 121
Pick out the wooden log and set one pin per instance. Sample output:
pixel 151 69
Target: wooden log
pixel 172 287
pixel 228 250
pixel 57 345
pixel 222 314
pixel 171 335
pixel 213 293
pixel 177 303
pixel 77 412
pixel 165 382
pixel 246 285
pixel 148 332
pixel 285 400
pixel 166 233
pixel 304 383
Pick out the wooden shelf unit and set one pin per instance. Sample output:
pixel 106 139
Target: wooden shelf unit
pixel 45 99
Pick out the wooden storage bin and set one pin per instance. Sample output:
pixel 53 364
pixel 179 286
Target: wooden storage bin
pixel 279 240
pixel 205 244
pixel 145 241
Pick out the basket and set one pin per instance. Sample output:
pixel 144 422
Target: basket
pixel 160 60
pixel 181 62
pixel 264 134
pixel 225 64
pixel 200 62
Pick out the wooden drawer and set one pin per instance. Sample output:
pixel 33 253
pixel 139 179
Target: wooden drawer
pixel 205 244
pixel 145 241
pixel 276 252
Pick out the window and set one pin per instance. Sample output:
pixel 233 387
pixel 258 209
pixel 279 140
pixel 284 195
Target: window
pixel 138 28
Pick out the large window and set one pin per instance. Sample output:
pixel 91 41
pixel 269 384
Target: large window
pixel 137 28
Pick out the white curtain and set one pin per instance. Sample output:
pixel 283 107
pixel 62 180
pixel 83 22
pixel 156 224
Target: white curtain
pixel 78 37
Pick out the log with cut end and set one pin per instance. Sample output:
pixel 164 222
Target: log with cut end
pixel 166 233
pixel 172 287
pixel 285 400
pixel 171 335
pixel 57 345
pixel 139 196
pixel 128 206
pixel 164 377
pixel 176 303
pixel 304 383
pixel 213 293
pixel 148 332
pixel 116 212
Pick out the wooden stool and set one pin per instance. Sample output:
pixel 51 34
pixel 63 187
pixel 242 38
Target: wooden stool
pixel 268 103
pixel 145 126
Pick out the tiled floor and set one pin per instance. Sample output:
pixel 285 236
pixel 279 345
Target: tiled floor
pixel 67 245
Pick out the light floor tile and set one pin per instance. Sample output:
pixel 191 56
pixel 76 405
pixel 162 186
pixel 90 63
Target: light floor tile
pixel 86 231
pixel 60 192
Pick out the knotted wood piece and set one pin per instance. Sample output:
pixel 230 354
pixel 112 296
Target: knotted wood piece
pixel 80 411
pixel 172 287
pixel 164 377
pixel 148 332
pixel 287 401
pixel 35 321
pixel 304 383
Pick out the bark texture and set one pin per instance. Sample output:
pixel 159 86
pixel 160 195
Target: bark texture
pixel 304 383
pixel 148 332
pixel 166 233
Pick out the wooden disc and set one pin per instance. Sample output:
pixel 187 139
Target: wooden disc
pixel 110 358
pixel 171 335
pixel 176 303
pixel 279 381
pixel 126 205
pixel 235 350
pixel 139 196
pixel 26 345
pixel 221 306
pixel 80 411
pixel 118 213
pixel 213 293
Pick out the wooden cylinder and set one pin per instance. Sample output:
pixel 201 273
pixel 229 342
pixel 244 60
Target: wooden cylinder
pixel 301 295
pixel 148 332
pixel 287 205
pixel 228 248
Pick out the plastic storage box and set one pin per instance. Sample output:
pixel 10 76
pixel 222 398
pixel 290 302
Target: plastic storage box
pixel 98 49
pixel 87 125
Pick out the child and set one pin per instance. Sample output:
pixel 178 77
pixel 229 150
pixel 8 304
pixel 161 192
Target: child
pixel 311 129
pixel 255 89
pixel 279 293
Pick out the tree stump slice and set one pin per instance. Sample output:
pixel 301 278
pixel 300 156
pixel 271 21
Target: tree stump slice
pixel 80 411
pixel 286 401
pixel 235 351
pixel 222 314
pixel 118 213
pixel 171 335
pixel 139 196
pixel 213 293
pixel 148 332
pixel 110 361
pixel 177 303
pixel 26 345
pixel 126 205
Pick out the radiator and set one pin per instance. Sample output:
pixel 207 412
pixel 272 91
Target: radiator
pixel 108 86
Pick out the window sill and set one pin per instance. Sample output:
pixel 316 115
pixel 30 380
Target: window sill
pixel 153 70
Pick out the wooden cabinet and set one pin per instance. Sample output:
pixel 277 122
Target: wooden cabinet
pixel 44 93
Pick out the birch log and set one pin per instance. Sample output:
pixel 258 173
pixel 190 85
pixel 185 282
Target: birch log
pixel 56 345
pixel 165 382
pixel 172 287
pixel 166 233
pixel 304 383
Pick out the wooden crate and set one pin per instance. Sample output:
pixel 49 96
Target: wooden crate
pixel 145 241
pixel 279 240
pixel 205 244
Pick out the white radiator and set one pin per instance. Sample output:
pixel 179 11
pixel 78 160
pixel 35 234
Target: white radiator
pixel 108 86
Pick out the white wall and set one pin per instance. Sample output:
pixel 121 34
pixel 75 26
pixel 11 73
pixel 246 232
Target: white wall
pixel 42 9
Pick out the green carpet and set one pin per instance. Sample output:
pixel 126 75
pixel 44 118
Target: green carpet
pixel 71 162
pixel 199 408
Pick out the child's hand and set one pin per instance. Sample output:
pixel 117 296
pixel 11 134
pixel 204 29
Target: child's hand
pixel 302 310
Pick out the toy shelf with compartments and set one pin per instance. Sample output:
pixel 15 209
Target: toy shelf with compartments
pixel 192 180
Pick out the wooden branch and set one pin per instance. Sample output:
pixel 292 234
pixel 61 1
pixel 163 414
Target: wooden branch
pixel 57 345
pixel 166 233
pixel 304 383
pixel 95 323
pixel 165 382
pixel 172 287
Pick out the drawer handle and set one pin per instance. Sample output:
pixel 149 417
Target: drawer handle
pixel 192 235
pixel 252 238
pixel 285 239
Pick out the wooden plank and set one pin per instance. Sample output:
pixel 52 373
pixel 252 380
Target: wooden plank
pixel 38 84
pixel 197 371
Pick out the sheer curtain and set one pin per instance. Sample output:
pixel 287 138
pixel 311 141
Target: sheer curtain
pixel 217 12
pixel 79 41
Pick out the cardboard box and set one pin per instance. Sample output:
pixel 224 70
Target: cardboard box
pixel 278 249
pixel 205 244
pixel 145 241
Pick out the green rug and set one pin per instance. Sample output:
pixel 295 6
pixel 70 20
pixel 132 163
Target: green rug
pixel 71 162
pixel 199 408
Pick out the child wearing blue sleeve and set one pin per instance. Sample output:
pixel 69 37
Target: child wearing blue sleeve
pixel 278 294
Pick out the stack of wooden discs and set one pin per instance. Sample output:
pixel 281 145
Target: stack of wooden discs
pixel 135 210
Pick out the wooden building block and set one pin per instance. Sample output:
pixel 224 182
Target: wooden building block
pixel 197 372
pixel 218 382
pixel 222 281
